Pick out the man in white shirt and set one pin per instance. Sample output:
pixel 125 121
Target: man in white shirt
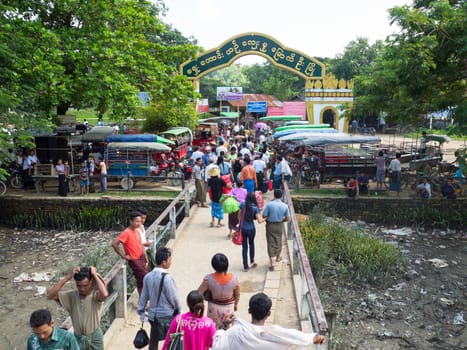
pixel 424 189
pixel 196 154
pixel 260 169
pixel 241 335
pixel 221 148
pixel 396 169
pixel 245 152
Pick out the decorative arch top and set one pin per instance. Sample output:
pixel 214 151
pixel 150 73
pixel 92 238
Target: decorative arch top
pixel 253 44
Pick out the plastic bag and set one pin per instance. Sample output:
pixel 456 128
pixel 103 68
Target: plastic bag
pixel 141 338
pixel 259 199
pixel 230 205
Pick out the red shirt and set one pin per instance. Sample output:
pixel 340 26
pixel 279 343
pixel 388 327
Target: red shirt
pixel 131 241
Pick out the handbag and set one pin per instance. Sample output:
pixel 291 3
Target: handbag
pixel 141 338
pixel 207 295
pixel 237 237
pixel 176 339
pixel 162 324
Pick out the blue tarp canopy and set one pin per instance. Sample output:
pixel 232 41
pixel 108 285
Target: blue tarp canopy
pixel 302 133
pixel 138 138
pixel 132 138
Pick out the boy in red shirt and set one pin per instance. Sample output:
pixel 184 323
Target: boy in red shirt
pixel 130 239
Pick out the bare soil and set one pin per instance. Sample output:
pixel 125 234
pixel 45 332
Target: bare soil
pixel 36 251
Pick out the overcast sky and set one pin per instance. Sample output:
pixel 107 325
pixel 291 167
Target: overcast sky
pixel 317 28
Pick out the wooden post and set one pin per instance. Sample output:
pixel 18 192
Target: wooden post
pixel 120 285
pixel 187 203
pixel 173 221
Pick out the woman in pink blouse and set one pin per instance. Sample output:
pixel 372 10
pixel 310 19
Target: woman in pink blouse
pixel 198 330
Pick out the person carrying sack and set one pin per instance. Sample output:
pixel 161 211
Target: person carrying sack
pixel 159 288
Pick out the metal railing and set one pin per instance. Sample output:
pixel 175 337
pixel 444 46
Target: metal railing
pixel 116 278
pixel 310 307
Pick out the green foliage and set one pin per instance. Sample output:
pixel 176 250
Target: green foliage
pixel 162 117
pixel 99 55
pixel 15 135
pixel 357 58
pixel 85 218
pixel 422 68
pixel 269 79
pixel 332 248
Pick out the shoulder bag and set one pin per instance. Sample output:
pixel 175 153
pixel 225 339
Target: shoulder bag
pixel 162 324
pixel 237 237
pixel 176 339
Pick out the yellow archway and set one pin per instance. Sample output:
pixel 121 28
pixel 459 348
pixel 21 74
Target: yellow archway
pixel 317 83
pixel 263 45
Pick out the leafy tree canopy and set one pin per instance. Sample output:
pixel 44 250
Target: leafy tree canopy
pixel 423 68
pixel 58 54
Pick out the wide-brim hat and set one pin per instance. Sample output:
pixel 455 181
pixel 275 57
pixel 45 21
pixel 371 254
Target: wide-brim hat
pixel 214 171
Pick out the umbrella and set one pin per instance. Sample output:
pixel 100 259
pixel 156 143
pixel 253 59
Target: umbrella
pixel 261 125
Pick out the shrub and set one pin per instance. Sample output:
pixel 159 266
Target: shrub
pixel 331 247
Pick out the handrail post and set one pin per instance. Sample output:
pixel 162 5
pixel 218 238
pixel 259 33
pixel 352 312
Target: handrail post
pixel 173 221
pixel 120 285
pixel 187 203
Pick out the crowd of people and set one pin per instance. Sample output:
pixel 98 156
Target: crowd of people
pixel 238 167
pixel 241 170
pixel 159 301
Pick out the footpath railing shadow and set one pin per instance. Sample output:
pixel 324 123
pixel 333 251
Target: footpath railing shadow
pixel 309 303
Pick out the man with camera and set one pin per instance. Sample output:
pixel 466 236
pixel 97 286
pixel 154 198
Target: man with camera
pixel 84 304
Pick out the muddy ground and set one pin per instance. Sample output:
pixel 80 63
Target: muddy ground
pixel 28 251
pixel 424 309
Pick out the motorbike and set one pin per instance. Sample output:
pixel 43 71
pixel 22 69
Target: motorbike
pixel 16 177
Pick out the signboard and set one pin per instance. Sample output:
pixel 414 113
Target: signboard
pixel 203 106
pixel 254 43
pixel 144 98
pixel 256 106
pixel 295 108
pixel 229 93
pixel 276 111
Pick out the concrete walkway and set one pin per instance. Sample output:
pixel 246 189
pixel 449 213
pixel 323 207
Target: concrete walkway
pixel 192 251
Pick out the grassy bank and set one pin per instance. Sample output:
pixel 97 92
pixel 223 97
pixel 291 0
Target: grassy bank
pixel 334 250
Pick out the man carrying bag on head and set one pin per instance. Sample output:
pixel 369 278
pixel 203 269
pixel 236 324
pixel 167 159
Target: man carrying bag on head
pixel 159 288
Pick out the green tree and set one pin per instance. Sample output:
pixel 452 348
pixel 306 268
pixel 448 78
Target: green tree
pixel 358 56
pixel 57 54
pixel 423 68
pixel 95 54
pixel 269 79
pixel 208 89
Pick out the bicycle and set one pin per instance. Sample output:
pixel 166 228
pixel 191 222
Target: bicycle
pixel 2 188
